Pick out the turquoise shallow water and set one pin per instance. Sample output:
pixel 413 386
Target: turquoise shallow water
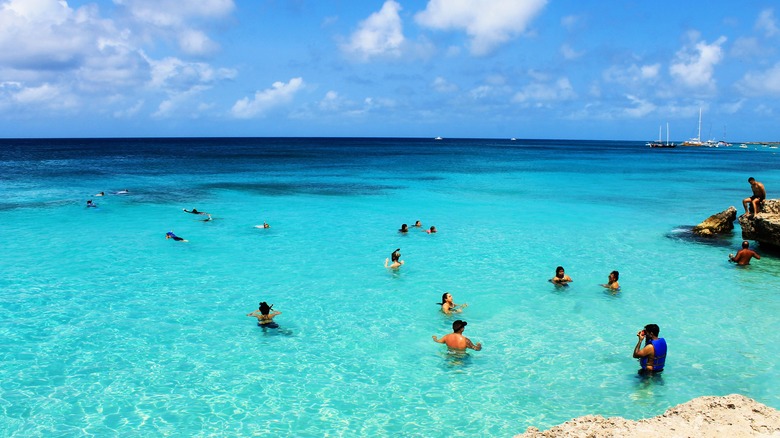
pixel 109 328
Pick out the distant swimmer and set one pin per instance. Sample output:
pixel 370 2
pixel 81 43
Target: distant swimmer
pixel 448 306
pixel 612 281
pixel 743 256
pixel 396 260
pixel 170 235
pixel 123 192
pixel 404 228
pixel 265 318
pixel 560 279
pixel 208 218
pixel 100 194
pixel 193 211
pixel 418 224
pixel 431 230
pixel 91 204
pixel 456 341
pixel 265 225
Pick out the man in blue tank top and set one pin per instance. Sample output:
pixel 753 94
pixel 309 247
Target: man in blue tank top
pixel 652 356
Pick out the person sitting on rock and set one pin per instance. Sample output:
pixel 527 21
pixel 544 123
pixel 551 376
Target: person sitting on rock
pixel 759 194
pixel 743 256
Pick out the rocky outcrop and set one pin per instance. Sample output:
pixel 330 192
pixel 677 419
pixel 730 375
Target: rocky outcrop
pixel 763 227
pixel 719 223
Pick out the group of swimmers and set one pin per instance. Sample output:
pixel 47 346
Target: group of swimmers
pixel 405 228
pixel 91 204
pixel 563 280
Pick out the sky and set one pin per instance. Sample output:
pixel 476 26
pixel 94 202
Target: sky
pixel 530 69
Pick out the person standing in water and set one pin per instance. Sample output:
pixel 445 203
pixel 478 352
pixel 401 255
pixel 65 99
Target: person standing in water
pixel 560 279
pixel 652 357
pixel 265 318
pixel 743 256
pixel 448 306
pixel 612 281
pixel 396 260
pixel 456 341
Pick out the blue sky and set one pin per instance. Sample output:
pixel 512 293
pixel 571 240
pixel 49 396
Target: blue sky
pixel 454 68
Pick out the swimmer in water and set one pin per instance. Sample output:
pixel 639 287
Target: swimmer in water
pixel 123 192
pixel 265 225
pixel 170 235
pixel 448 306
pixel 431 230
pixel 418 224
pixel 91 204
pixel 100 194
pixel 396 260
pixel 560 279
pixel 208 218
pixel 612 282
pixel 193 211
pixel 265 318
pixel 404 228
pixel 456 341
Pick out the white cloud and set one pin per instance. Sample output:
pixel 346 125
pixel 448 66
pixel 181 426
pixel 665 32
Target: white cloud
pixel 632 75
pixel 570 22
pixel 761 83
pixel 766 23
pixel 173 74
pixel 46 95
pixel 640 108
pixel 569 53
pixel 694 65
pixel 175 18
pixel 561 89
pixel 331 102
pixel 488 23
pixel 443 86
pixel 381 34
pixel 279 94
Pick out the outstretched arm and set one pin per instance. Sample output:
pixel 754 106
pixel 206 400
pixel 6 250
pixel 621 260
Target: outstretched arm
pixel 441 341
pixel 469 344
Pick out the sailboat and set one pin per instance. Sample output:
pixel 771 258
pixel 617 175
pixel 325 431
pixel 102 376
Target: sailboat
pixel 696 141
pixel 659 143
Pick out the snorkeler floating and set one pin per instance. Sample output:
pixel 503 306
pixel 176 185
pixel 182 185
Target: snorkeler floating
pixel 170 235
pixel 193 211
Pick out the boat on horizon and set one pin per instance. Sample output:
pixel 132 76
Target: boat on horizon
pixel 696 141
pixel 659 143
pixel 438 138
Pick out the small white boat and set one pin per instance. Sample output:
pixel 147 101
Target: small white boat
pixel 438 138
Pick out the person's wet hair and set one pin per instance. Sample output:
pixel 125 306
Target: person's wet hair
pixel 616 274
pixel 652 329
pixel 745 244
pixel 265 308
pixel 751 179
pixel 396 255
pixel 559 269
pixel 443 298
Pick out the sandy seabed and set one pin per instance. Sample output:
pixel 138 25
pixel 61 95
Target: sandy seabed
pixel 733 416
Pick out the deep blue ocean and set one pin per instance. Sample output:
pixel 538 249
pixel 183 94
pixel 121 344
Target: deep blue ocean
pixel 108 328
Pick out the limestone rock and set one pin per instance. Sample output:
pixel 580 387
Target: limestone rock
pixel 718 223
pixel 764 227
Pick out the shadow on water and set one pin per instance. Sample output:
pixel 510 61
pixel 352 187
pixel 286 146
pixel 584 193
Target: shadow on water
pixel 684 233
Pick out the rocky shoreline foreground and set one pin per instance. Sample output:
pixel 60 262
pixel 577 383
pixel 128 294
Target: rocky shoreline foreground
pixel 733 416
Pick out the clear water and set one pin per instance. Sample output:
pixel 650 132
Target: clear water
pixel 109 328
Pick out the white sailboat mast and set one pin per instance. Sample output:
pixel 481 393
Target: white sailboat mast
pixel 699 137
